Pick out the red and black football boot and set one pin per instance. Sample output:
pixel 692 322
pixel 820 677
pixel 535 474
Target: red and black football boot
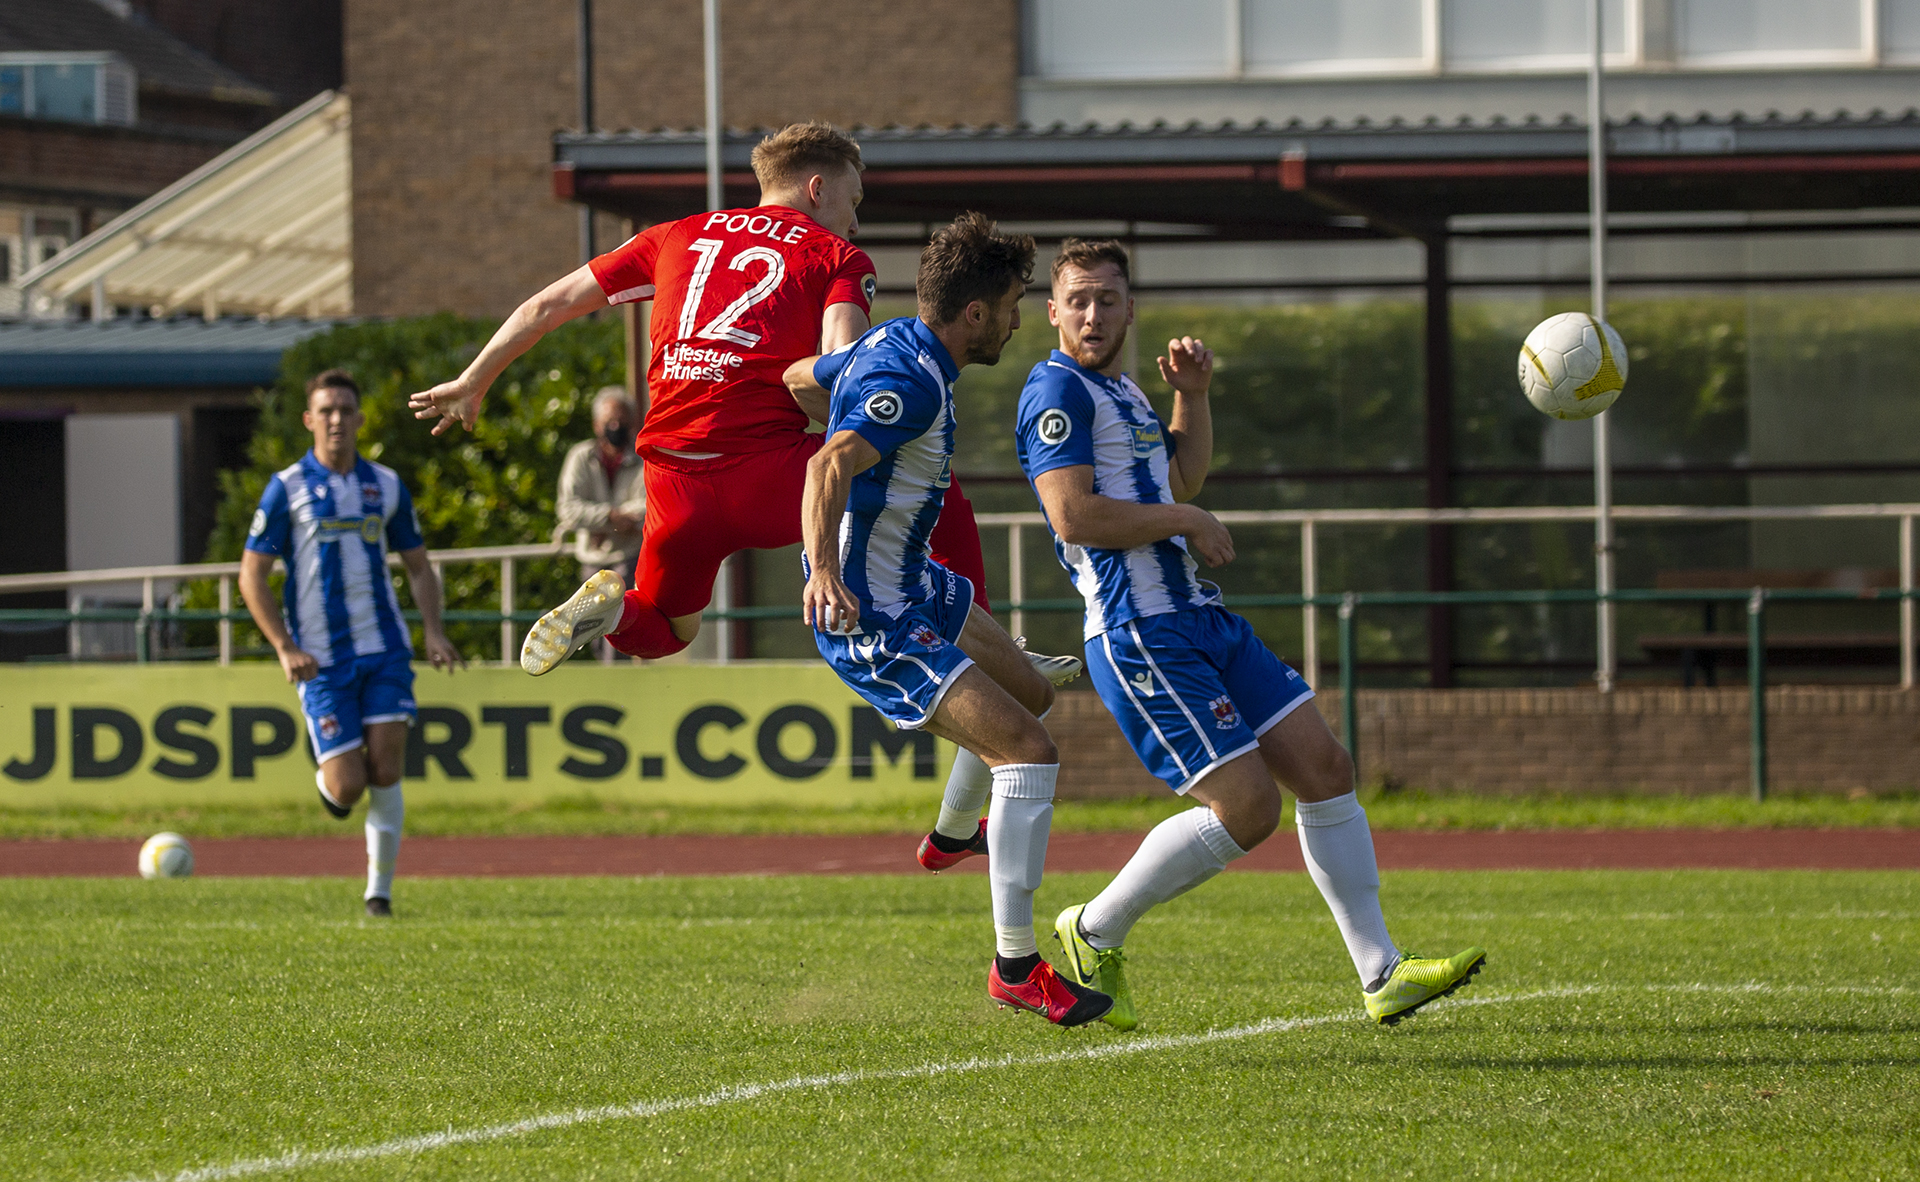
pixel 936 859
pixel 1049 995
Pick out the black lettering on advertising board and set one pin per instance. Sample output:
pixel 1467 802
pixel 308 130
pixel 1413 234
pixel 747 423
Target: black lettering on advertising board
pixel 167 733
pixel 444 748
pixel 613 752
pixel 38 764
pixel 88 763
pixel 869 727
pixel 246 744
pixel 825 742
pixel 686 742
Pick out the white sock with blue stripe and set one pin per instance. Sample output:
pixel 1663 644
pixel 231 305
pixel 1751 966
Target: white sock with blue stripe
pixel 1338 848
pixel 386 809
pixel 1182 852
pixel 1017 831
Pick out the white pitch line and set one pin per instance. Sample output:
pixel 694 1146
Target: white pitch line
pixel 738 1093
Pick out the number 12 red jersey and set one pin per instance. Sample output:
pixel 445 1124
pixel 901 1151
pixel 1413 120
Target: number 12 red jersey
pixel 737 297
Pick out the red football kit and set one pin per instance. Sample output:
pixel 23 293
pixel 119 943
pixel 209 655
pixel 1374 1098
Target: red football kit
pixel 738 296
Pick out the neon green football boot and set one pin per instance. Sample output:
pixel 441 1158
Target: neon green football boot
pixel 1414 982
pixel 1104 969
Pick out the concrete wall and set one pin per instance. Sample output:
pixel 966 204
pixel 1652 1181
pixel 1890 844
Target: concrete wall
pixel 452 193
pixel 1514 741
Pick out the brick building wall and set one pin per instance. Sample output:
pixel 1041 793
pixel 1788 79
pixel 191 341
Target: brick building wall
pixel 80 164
pixel 1512 741
pixel 452 194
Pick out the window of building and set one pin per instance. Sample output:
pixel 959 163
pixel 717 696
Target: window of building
pixel 1533 34
pixel 1335 36
pixel 81 88
pixel 1089 39
pixel 1761 32
pixel 1201 39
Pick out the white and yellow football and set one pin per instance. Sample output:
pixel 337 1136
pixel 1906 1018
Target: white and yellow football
pixel 1572 366
pixel 166 855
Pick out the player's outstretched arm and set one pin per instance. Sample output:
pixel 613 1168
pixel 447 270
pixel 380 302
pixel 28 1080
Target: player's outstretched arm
pixel 1082 517
pixel 458 401
pixel 425 586
pixel 1188 368
pixel 256 591
pixel 827 604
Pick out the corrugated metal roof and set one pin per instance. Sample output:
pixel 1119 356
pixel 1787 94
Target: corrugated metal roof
pixel 265 228
pixel 900 147
pixel 148 352
pixel 162 61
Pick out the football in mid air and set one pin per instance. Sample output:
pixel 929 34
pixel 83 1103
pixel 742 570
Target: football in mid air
pixel 166 855
pixel 1572 366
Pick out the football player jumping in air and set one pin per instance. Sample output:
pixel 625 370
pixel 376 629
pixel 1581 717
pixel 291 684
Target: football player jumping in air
pixel 896 625
pixel 738 296
pixel 1201 700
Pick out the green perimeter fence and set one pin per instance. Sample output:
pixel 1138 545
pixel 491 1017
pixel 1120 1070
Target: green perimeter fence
pixel 1347 605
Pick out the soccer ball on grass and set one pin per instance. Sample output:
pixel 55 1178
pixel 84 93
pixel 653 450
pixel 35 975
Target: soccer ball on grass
pixel 166 855
pixel 1572 366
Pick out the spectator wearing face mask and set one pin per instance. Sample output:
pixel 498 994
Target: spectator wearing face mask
pixel 601 490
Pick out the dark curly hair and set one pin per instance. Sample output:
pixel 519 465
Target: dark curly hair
pixel 967 261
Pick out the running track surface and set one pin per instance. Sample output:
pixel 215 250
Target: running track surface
pixel 1750 849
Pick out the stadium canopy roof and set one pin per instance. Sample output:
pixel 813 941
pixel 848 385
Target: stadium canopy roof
pixel 264 229
pixel 1296 181
pixel 123 354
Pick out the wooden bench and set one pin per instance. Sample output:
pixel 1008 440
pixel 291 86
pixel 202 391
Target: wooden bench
pixel 1699 653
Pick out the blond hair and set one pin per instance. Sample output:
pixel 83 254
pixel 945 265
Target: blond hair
pixel 800 150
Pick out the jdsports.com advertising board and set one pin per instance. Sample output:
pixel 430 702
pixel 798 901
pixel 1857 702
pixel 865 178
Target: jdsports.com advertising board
pixel 767 731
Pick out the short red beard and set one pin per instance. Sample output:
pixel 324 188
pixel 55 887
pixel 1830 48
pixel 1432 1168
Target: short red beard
pixel 1099 361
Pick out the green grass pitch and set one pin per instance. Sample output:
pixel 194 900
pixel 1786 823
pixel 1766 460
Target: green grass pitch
pixel 1699 1024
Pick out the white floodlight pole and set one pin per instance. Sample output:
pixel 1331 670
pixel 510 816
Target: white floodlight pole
pixel 716 199
pixel 1608 663
pixel 710 14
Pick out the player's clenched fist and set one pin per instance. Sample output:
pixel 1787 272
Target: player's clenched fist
pixel 1187 366
pixel 827 604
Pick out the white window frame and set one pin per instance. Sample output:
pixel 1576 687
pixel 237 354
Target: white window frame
pixel 104 64
pixel 1867 55
pixel 1632 57
pixel 1433 61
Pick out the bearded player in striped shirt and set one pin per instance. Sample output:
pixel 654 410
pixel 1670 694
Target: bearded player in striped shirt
pixel 1206 706
pixel 333 517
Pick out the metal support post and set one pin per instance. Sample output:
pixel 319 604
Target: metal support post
pixel 507 638
pixel 1606 665
pixel 226 619
pixel 710 22
pixel 142 641
pixel 1349 675
pixel 1309 614
pixel 584 68
pixel 1016 579
pixel 1906 603
pixel 1757 687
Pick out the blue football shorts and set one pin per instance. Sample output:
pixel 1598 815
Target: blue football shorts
pixel 905 666
pixel 347 695
pixel 1191 689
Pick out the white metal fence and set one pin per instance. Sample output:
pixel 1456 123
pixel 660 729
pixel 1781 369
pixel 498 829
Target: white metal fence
pixel 1310 523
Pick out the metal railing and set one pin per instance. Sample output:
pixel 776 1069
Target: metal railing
pixel 1311 521
pixel 1310 599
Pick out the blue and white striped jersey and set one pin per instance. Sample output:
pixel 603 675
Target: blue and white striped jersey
pixel 334 532
pixel 1071 416
pixel 894 388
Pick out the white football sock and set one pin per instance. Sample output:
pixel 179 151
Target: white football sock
pixel 1182 852
pixel 968 786
pixel 1338 848
pixel 1017 850
pixel 385 811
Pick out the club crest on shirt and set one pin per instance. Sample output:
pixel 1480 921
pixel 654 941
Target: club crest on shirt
pixel 924 636
pixel 370 496
pixel 1055 426
pixel 1225 717
pixel 329 727
pixel 884 408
